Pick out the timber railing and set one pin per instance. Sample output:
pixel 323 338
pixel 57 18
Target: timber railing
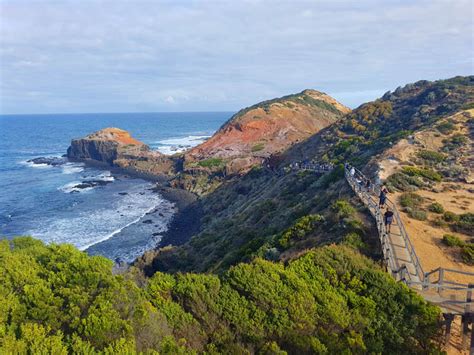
pixel 438 286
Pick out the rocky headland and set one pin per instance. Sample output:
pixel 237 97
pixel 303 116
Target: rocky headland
pixel 114 147
pixel 252 137
pixel 266 129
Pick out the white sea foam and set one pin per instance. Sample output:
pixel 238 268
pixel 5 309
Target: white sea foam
pixel 71 187
pixel 33 165
pixel 72 168
pixel 105 176
pixel 118 230
pixel 178 145
pixel 88 227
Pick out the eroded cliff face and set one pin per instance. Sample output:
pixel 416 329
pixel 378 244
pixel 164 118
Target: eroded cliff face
pixel 116 147
pixel 254 134
pixel 105 146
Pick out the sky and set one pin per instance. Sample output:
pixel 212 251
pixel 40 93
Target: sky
pixel 154 56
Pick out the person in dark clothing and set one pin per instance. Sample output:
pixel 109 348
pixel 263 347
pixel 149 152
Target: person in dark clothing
pixel 367 185
pixel 388 218
pixel 383 197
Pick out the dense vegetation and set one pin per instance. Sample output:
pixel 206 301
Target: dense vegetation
pixel 289 101
pixel 56 299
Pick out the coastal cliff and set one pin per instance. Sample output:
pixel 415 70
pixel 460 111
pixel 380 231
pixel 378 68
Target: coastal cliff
pixel 106 146
pixel 117 148
pixel 251 137
pixel 256 133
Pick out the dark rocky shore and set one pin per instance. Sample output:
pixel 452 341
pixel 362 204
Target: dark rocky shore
pixel 187 220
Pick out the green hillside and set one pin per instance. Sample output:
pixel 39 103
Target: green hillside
pixel 57 300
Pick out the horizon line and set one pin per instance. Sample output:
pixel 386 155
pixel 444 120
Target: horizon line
pixel 108 113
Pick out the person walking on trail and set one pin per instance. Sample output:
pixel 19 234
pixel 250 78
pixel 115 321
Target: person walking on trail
pixel 367 185
pixel 388 218
pixel 383 197
pixel 352 171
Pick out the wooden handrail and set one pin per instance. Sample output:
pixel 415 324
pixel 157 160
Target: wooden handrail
pixel 376 189
pixel 418 280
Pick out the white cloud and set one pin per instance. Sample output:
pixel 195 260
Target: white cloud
pixel 170 99
pixel 221 55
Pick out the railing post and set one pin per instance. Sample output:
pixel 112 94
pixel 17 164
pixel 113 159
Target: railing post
pixel 448 319
pixel 440 280
pixel 426 281
pixel 466 317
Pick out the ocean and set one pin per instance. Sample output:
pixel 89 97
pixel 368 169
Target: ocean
pixel 112 218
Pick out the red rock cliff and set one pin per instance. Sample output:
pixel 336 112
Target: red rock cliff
pixel 270 127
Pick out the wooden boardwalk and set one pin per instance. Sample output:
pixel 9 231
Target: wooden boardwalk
pixel 454 299
pixel 438 286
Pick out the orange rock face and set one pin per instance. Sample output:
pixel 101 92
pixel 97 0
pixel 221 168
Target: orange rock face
pixel 270 127
pixel 114 134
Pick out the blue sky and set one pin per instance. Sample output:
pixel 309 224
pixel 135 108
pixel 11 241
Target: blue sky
pixel 145 56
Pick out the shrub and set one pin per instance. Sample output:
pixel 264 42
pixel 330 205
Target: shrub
pixel 465 224
pixel 302 228
pixel 431 156
pixel 342 209
pixel 426 173
pixel 452 241
pixel 439 222
pixel 211 163
pixel 436 207
pixel 467 253
pixel 355 241
pixel 454 142
pixel 417 214
pixel 403 182
pixel 445 127
pixel 258 147
pixel 410 200
pixel 468 106
pixel 449 216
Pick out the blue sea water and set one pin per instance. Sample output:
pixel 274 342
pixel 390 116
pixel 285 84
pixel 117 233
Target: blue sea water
pixel 41 201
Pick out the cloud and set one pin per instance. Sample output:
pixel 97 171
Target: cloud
pixel 170 99
pixel 114 56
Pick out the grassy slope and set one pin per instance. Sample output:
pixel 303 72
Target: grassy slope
pixel 57 300
pixel 244 216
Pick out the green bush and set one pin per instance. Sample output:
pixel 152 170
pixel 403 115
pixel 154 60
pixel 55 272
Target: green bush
pixel 431 156
pixel 58 300
pixel 452 241
pixel 449 217
pixel 402 182
pixel 468 106
pixel 343 209
pixel 417 214
pixel 258 147
pixel 465 224
pixel 436 207
pixel 439 222
pixel 355 241
pixel 467 253
pixel 302 228
pixel 445 127
pixel 211 163
pixel 453 143
pixel 411 200
pixel 426 173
